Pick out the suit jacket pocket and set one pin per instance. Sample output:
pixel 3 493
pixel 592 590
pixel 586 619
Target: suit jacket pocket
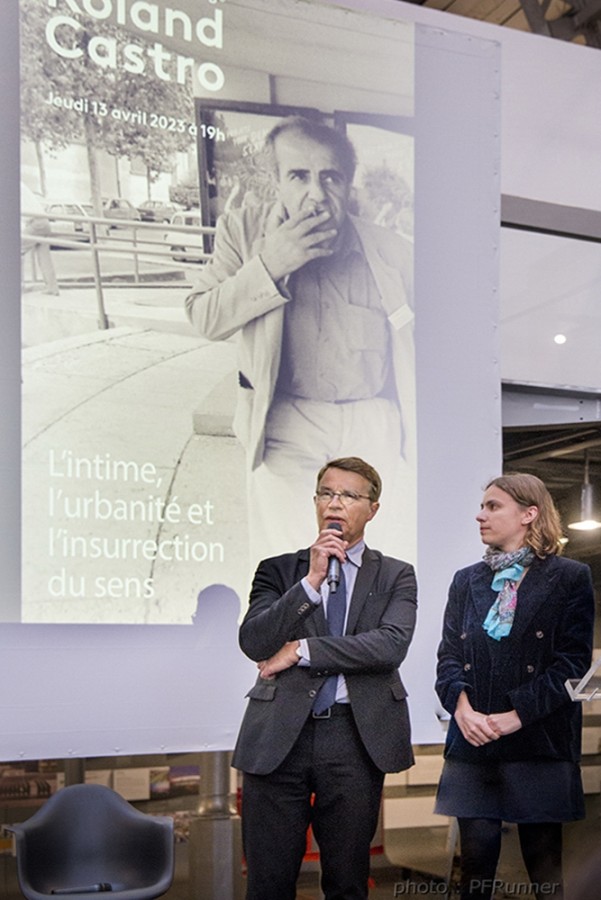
pixel 398 690
pixel 262 690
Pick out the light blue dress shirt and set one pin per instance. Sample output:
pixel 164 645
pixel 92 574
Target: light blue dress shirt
pixel 351 566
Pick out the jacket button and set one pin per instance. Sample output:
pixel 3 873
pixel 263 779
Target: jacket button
pixel 467 667
pixel 530 669
pixel 540 634
pixel 312 693
pixel 463 636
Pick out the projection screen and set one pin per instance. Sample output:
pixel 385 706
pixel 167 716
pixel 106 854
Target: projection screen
pixel 141 124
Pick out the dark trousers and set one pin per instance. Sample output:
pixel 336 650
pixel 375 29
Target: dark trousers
pixel 329 762
pixel 541 846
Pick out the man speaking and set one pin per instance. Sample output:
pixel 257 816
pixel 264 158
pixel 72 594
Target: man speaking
pixel 320 302
pixel 327 716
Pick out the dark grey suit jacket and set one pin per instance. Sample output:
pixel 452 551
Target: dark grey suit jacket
pixel 380 626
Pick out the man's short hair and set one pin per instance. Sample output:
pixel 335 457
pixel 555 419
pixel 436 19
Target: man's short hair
pixel 322 134
pixel 360 467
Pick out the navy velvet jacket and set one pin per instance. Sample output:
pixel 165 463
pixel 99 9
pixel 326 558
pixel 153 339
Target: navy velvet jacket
pixel 550 641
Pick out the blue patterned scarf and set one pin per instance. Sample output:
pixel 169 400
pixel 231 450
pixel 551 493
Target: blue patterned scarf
pixel 508 569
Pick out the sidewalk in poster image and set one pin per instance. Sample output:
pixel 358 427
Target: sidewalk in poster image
pixel 137 391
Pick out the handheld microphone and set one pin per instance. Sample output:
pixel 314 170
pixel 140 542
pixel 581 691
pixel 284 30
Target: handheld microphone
pixel 333 576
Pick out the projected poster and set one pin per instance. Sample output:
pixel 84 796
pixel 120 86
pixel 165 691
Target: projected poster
pixel 143 128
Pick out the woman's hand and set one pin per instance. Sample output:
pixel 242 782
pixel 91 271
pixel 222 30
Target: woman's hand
pixel 474 726
pixel 504 723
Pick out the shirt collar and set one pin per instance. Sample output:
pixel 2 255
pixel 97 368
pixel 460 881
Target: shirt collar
pixel 355 553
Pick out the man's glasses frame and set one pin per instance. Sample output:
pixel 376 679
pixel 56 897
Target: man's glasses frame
pixel 347 498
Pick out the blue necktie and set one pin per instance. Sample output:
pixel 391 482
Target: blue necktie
pixel 326 696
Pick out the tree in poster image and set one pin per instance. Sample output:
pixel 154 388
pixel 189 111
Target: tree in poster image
pixel 41 71
pixel 113 117
pixel 387 198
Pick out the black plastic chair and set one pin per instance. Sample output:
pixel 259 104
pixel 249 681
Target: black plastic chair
pixel 87 840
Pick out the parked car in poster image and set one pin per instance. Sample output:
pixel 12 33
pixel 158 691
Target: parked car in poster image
pixel 71 231
pixel 120 208
pixel 181 243
pixel 157 210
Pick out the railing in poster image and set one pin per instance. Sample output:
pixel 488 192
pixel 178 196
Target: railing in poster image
pixel 183 241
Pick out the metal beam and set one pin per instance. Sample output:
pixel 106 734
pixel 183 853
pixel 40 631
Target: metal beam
pixel 582 18
pixel 587 14
pixel 536 18
pixel 551 218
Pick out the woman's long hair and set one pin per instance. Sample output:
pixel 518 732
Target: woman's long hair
pixel 544 533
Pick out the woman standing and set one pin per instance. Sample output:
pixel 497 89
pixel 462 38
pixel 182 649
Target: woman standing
pixel 516 626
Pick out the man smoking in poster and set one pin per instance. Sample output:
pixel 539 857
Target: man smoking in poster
pixel 321 304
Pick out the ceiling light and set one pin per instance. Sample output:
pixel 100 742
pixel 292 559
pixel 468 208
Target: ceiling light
pixel 587 521
pixel 560 338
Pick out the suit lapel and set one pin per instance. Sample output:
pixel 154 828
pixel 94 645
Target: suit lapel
pixel 366 575
pixel 533 592
pixel 389 281
pixel 483 595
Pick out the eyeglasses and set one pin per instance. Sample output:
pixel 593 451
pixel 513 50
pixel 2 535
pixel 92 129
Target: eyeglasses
pixel 347 498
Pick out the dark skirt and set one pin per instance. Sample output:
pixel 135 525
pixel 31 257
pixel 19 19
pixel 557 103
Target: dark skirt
pixel 524 791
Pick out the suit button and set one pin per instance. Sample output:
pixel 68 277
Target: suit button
pixel 463 636
pixel 530 669
pixel 467 667
pixel 540 634
pixel 312 694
